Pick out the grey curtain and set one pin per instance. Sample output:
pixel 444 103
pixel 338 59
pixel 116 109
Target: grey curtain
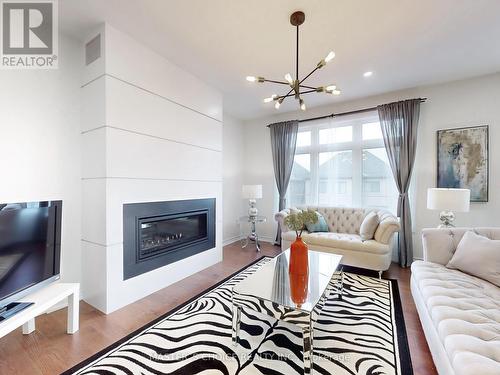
pixel 283 143
pixel 399 123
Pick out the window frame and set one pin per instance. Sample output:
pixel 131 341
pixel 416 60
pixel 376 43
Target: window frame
pixel 356 146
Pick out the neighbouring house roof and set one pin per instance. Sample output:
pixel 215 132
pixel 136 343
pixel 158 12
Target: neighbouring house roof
pixel 341 165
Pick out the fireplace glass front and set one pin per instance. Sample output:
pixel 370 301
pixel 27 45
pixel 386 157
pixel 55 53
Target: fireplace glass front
pixel 161 234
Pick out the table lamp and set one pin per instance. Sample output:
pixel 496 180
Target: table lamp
pixel 448 200
pixel 252 192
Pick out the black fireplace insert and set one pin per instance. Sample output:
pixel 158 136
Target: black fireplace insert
pixel 158 233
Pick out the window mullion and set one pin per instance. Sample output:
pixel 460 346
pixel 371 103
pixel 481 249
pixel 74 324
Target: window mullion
pixel 314 167
pixel 357 165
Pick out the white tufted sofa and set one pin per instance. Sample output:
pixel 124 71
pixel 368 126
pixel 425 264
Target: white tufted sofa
pixel 343 236
pixel 460 313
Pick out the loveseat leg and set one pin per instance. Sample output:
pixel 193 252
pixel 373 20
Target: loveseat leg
pixel 380 275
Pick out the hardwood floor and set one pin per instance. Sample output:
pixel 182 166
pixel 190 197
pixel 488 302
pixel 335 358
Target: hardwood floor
pixel 49 350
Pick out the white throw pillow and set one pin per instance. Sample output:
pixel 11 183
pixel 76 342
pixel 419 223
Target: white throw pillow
pixel 369 226
pixel 478 256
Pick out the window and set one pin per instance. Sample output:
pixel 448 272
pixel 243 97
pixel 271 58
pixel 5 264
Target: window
pixel 299 188
pixel 335 135
pixel 303 139
pixel 372 186
pixel 335 170
pixel 342 163
pixel 372 130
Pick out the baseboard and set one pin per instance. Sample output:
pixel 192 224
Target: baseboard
pixel 267 239
pixel 231 240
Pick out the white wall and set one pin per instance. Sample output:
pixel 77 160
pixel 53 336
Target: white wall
pixel 149 134
pixel 40 143
pixel 233 169
pixel 455 104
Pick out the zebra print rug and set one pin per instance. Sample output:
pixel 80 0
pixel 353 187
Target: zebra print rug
pixel 363 333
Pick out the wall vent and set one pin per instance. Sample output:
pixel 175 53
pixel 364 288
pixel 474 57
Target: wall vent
pixel 93 50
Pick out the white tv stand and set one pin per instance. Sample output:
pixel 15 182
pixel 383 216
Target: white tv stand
pixel 44 299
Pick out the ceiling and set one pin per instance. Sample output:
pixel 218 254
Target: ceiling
pixel 406 43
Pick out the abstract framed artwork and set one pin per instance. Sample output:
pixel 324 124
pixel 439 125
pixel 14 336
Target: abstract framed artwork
pixel 462 158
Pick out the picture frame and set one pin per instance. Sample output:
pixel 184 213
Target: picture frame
pixel 463 160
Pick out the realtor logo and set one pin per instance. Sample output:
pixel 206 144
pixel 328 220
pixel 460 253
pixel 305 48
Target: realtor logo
pixel 29 34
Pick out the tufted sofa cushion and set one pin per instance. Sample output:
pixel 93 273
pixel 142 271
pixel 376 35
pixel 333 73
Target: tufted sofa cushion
pixel 341 219
pixel 340 240
pixel 465 312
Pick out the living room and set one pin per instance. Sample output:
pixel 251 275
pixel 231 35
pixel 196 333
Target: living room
pixel 232 188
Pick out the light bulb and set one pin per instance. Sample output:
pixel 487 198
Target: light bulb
pixel 302 104
pixel 255 79
pixel 278 103
pixel 289 78
pixel 330 88
pixel 270 99
pixel 330 56
pixel 367 74
pixel 336 92
pixel 327 59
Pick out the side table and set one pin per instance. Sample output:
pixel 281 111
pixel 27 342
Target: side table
pixel 252 236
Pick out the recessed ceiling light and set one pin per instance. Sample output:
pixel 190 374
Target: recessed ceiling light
pixel 367 74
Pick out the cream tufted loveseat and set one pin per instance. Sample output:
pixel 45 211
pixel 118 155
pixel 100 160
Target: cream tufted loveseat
pixel 460 313
pixel 343 236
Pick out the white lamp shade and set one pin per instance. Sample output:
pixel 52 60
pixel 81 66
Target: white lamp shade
pixel 252 191
pixel 457 200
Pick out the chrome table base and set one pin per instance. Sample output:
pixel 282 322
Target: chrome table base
pixel 304 320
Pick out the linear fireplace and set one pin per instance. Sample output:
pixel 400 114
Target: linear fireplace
pixel 158 233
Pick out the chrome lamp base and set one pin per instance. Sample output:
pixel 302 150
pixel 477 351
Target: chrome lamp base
pixel 252 209
pixel 447 217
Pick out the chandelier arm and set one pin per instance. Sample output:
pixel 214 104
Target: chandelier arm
pixel 293 94
pixel 278 82
pixel 307 76
pixel 289 93
pixel 284 96
pixel 307 87
pixel 308 91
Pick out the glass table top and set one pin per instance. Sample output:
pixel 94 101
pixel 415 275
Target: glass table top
pixel 273 282
pixel 250 219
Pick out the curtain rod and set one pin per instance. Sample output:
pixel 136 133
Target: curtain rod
pixel 331 115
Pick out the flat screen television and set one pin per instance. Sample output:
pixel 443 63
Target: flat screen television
pixel 30 247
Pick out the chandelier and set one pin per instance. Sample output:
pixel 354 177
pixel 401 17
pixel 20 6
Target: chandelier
pixel 297 86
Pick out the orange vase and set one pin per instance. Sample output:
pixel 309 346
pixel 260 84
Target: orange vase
pixel 299 271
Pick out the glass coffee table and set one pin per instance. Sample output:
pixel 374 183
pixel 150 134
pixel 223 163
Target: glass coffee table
pixel 272 291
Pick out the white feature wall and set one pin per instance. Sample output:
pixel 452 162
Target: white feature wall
pixel 233 169
pixel 40 143
pixel 470 102
pixel 151 132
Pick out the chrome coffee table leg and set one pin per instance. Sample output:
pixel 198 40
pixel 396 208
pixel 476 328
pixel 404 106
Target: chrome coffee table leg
pixel 307 337
pixel 341 287
pixel 236 324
